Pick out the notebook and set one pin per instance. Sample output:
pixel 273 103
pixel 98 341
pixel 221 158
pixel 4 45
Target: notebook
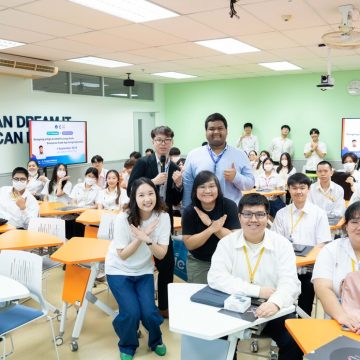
pixel 209 296
pixel 70 207
pixel 301 250
pixel 341 348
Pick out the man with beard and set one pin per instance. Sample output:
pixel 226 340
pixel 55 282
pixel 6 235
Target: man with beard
pixel 231 166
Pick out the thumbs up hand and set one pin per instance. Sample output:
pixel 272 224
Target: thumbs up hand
pixel 229 174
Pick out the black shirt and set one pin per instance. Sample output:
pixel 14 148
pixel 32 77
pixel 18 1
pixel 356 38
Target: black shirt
pixel 191 224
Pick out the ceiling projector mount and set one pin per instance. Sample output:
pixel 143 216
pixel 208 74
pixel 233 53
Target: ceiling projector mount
pixel 347 37
pixel 327 81
pixel 129 82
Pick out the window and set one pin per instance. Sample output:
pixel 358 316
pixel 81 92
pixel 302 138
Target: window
pixel 86 84
pixel 55 84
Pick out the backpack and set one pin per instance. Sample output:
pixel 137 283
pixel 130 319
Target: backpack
pixel 350 292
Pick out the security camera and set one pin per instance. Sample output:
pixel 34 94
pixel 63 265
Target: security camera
pixel 326 82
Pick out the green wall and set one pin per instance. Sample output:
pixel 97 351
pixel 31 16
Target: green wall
pixel 267 102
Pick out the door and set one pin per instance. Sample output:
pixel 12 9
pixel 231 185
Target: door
pixel 144 122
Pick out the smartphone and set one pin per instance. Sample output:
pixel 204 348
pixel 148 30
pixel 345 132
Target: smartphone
pixel 298 248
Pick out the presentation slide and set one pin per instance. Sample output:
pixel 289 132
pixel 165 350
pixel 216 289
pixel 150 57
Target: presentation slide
pixel 55 142
pixel 350 141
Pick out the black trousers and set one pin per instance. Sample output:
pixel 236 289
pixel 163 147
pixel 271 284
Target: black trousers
pixel 288 349
pixel 307 295
pixel 166 275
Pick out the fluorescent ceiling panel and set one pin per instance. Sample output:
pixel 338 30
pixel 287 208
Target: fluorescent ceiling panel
pixel 228 46
pixel 174 75
pixel 280 66
pixel 91 60
pixel 133 10
pixel 7 44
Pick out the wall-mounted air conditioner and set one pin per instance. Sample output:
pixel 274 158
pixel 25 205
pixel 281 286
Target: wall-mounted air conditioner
pixel 26 67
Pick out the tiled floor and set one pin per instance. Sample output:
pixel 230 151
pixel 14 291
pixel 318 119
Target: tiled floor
pixel 97 340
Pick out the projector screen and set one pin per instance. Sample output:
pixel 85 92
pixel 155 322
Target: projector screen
pixel 350 140
pixel 54 142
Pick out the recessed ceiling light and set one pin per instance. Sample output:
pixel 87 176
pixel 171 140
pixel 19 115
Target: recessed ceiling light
pixel 227 46
pixel 280 66
pixel 91 60
pixel 132 10
pixel 7 44
pixel 174 75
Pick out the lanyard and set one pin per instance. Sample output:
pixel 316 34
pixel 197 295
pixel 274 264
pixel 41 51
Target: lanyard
pixel 293 226
pixel 328 196
pixel 353 264
pixel 215 161
pixel 250 270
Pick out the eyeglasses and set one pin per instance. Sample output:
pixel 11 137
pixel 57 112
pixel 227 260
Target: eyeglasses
pixel 166 141
pixel 208 187
pixel 259 214
pixel 23 180
pixel 354 222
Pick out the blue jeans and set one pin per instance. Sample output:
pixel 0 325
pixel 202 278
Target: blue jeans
pixel 135 297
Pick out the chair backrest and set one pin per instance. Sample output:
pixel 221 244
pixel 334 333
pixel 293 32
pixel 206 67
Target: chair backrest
pixel 24 267
pixel 53 226
pixel 106 227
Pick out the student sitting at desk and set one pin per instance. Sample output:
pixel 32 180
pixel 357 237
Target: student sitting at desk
pixel 325 193
pixel 205 222
pixel 113 197
pixel 302 223
pixel 333 263
pixel 139 234
pixel 58 189
pixel 270 180
pixel 17 205
pixel 36 180
pixel 264 154
pixel 259 263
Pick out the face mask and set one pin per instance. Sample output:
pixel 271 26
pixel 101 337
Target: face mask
pixel 349 167
pixel 19 186
pixel 284 162
pixel 60 174
pixel 90 181
pixel 33 172
pixel 263 157
pixel 268 167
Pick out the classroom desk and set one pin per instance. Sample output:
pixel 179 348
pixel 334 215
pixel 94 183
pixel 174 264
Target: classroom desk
pixel 50 209
pixel 309 259
pixel 93 216
pixel 11 289
pixel 25 239
pixel 265 193
pixel 205 322
pixel 6 227
pixel 310 334
pixel 339 225
pixel 79 281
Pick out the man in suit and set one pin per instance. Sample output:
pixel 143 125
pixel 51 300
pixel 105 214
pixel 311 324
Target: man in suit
pixel 167 176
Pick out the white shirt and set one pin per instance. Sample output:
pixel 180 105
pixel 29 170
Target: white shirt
pixel 355 174
pixel 108 199
pixel 356 195
pixel 334 262
pixel 284 175
pixel 280 145
pixel 313 227
pixel 52 197
pixel 248 143
pixel 10 211
pixel 272 182
pixel 102 179
pixel 139 263
pixel 332 200
pixel 35 186
pixel 83 196
pixel 277 268
pixel 314 158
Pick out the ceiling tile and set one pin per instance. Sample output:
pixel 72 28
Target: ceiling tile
pixel 293 53
pixel 190 49
pixel 38 23
pixel 267 41
pixel 159 54
pixel 191 6
pixel 308 36
pixel 12 33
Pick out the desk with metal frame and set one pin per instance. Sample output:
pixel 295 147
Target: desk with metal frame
pixel 205 322
pixel 6 227
pixel 48 209
pixel 310 334
pixel 79 281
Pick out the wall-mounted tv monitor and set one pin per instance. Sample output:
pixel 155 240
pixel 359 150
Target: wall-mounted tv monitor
pixel 55 142
pixel 350 139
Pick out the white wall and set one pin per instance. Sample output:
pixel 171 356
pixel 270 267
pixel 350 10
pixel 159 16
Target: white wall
pixel 110 120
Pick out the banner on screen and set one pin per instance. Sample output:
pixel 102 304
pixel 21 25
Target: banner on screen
pixel 52 143
pixel 350 140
